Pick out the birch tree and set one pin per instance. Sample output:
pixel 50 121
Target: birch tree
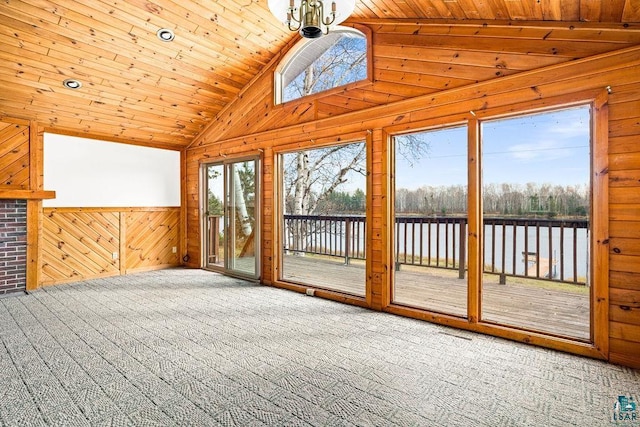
pixel 311 175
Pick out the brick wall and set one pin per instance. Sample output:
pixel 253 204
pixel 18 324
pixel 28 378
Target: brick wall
pixel 13 246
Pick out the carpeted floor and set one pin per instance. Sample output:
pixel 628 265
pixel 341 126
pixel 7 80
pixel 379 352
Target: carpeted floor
pixel 188 347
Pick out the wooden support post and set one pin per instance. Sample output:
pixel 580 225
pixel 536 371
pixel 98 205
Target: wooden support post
pixel 474 297
pixel 34 208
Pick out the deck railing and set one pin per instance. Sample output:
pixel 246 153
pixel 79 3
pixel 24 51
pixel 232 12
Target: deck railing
pixel 337 236
pixel 547 249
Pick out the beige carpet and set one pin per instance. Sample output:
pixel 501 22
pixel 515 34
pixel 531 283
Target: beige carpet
pixel 188 347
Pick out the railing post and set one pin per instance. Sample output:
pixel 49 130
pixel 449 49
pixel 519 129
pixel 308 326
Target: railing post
pixel 347 239
pixel 463 247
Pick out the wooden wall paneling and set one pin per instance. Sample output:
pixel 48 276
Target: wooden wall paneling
pixel 458 60
pixel 289 115
pixel 57 267
pixel 34 207
pixel 14 155
pixel 590 10
pixel 400 89
pixel 625 229
pixel 252 106
pixel 151 237
pixel 369 94
pixel 627 195
pixel 624 179
pixel 625 331
pixel 193 188
pixel 503 91
pixel 425 82
pixel 624 212
pixel 331 110
pixel 623 144
pixel 453 70
pixel 531 30
pixel 631 11
pixel 348 103
pixel 600 238
pixel 558 48
pixel 34 244
pixel 430 54
pixel 83 243
pixel 624 352
pixel 78 245
pixel 182 248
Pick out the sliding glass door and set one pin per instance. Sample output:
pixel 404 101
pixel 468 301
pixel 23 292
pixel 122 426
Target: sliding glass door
pixel 231 212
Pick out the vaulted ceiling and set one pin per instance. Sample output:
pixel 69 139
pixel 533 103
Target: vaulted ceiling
pixel 139 89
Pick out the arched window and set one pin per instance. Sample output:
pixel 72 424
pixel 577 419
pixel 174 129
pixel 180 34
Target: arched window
pixel 317 65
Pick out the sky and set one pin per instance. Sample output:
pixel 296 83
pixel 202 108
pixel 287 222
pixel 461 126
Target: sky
pixel 544 148
pixel 551 147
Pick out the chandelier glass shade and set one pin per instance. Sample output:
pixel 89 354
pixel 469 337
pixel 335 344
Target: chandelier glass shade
pixel 311 18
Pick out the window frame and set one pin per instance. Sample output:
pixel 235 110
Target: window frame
pixel 591 261
pixel 278 75
pixel 392 188
pixel 278 214
pixel 598 100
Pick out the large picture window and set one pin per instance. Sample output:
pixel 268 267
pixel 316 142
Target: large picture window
pixel 323 222
pixel 532 270
pixel 536 197
pixel 431 220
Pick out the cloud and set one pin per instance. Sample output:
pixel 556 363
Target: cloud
pixel 547 149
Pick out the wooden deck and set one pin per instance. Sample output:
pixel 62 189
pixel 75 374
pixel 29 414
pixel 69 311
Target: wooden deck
pixel 535 305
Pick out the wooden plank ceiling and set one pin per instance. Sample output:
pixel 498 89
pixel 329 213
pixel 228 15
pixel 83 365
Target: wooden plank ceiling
pixel 141 90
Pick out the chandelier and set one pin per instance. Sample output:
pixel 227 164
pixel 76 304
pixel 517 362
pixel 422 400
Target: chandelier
pixel 310 17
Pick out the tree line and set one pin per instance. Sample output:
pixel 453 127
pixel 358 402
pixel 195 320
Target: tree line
pixel 531 199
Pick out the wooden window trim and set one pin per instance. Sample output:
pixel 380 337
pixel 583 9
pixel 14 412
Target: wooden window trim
pixel 276 225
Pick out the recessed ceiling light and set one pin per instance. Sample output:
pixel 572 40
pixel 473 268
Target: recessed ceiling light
pixel 72 84
pixel 165 34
